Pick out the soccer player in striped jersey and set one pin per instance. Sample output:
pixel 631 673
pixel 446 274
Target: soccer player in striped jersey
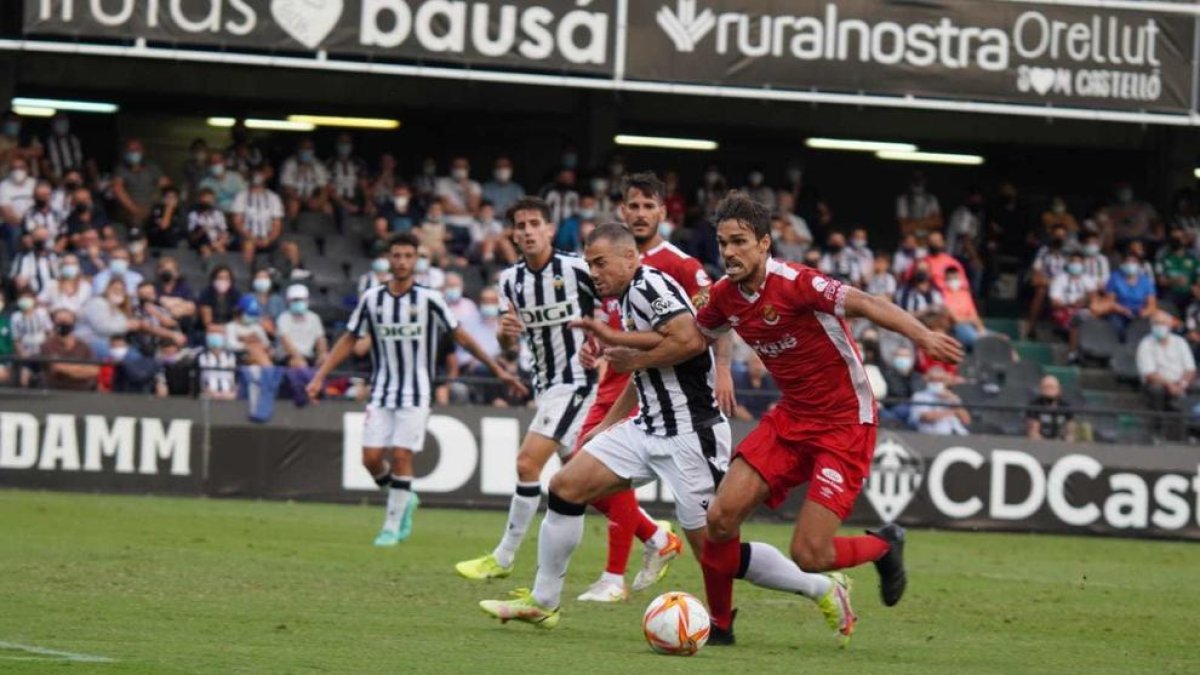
pixel 404 322
pixel 540 295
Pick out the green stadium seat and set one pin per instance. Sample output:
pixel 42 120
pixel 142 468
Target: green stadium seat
pixel 1005 326
pixel 1068 376
pixel 1038 352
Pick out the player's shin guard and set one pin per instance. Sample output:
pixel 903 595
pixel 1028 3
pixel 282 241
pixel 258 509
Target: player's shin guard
pixel 521 511
pixel 562 530
pixel 766 566
pixel 721 563
pixel 622 511
pixel 854 551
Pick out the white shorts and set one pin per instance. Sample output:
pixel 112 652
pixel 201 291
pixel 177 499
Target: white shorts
pixel 560 413
pixel 692 465
pixel 395 428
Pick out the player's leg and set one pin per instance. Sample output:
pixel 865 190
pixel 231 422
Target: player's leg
pixel 378 424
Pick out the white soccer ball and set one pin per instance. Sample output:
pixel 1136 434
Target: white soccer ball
pixel 676 623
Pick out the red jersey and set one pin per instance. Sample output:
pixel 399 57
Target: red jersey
pixel 666 258
pixel 795 323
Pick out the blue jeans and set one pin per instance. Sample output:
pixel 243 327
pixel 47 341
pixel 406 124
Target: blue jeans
pixel 1119 323
pixel 967 334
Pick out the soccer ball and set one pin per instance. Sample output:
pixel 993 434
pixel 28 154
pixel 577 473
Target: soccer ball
pixel 676 623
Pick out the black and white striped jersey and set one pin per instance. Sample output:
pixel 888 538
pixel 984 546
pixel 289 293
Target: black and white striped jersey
pixel 404 331
pixel 259 211
pixel 678 399
pixel 36 268
pixel 546 300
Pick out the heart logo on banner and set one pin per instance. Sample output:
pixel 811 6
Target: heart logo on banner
pixel 308 21
pixel 1041 79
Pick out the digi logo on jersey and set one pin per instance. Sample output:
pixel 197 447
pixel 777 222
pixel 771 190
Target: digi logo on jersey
pixel 399 331
pixel 548 315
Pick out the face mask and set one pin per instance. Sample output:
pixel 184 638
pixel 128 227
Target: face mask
pixel 306 156
pixel 344 149
pixel 665 228
pixel 262 285
pixel 258 180
pixel 64 329
pixel 1075 269
pixel 1091 250
pixel 249 320
pixel 921 277
pixel 118 353
pixel 599 186
pixel 133 158
pixel 954 284
pixel 400 202
pixel 380 266
pixel 222 285
pixel 711 177
pixel 903 364
pixel 458 174
pixel 19 175
pixel 298 306
pixel 116 298
pixel 489 311
pixel 166 276
pixel 587 214
pixel 453 294
pixel 503 174
pixel 216 170
pixel 570 160
pixel 1160 331
pixel 756 179
pixel 70 271
pixel 119 267
pixel 40 202
pixel 12 129
pixel 1131 269
pixel 422 265
pixel 429 169
pixel 215 340
pixel 200 156
pixel 937 387
pixel 859 243
pixel 25 304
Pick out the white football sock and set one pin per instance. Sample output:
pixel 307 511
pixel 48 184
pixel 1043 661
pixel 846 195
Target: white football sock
pixel 520 513
pixel 770 568
pixel 557 540
pixel 398 496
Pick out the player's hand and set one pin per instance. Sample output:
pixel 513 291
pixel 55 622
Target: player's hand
pixel 600 330
pixel 515 386
pixel 942 347
pixel 726 396
pixel 314 387
pixel 622 359
pixel 510 325
pixel 590 354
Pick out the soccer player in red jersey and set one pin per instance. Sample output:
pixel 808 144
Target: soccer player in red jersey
pixel 822 432
pixel 643 210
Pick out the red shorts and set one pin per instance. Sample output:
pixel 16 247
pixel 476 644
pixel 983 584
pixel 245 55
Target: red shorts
pixel 595 416
pixel 835 458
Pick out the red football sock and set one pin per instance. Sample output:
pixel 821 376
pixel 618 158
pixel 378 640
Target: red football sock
pixel 854 551
pixel 622 510
pixel 644 526
pixel 720 562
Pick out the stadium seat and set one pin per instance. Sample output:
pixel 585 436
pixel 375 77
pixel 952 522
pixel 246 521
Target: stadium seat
pixel 1023 374
pixel 1098 340
pixel 341 249
pixel 315 224
pixel 1004 326
pixel 1038 352
pixel 1068 376
pixel 1138 329
pixel 307 243
pixel 1168 305
pixel 995 351
pixel 1124 365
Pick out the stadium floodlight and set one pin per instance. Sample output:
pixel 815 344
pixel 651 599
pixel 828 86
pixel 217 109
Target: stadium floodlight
pixel 348 122
pixel 931 157
pixel 1196 173
pixel 73 106
pixel 33 111
pixel 268 125
pixel 858 146
pixel 665 142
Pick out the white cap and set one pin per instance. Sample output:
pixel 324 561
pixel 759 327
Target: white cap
pixel 297 292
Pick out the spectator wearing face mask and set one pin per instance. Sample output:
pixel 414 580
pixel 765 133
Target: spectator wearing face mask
pixel 491 245
pixel 1165 364
pixel 87 215
pixel 174 294
pixel 245 335
pixel 380 273
pixel 919 295
pixel 502 191
pixel 158 326
pixel 968 327
pixel 225 185
pixel 207 230
pixel 561 195
pixel 384 181
pixel 936 410
pixel 108 313
pixel 1072 293
pixel 257 218
pixel 939 261
pixel 459 361
pixel 1049 417
pixel 1177 268
pixel 600 188
pixel 756 390
pixel 399 214
pixel 424 182
pixel 348 178
pixel 17 143
pixel 272 303
pixel 1056 215
pixel 428 273
pixel 786 209
pixel 63 345
pixel 63 194
pixel 840 262
pixel 918 212
pixel 1128 295
pixel 217 366
pixel 302 342
pixel 882 283
pixel 433 233
pixel 1050 261
pixel 31 325
pixel 566 236
pixel 757 189
pixel 195 168
pixel 901 383
pixel 16 197
pixel 36 265
pixel 304 181
pixel 63 150
pixel 712 190
pixel 135 184
pixel 118 268
pixel 218 300
pixel 41 215
pixel 864 257
pixel 1095 263
pixel 69 291
pixel 459 195
pixel 168 221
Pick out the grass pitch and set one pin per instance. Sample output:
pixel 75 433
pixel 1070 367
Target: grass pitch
pixel 162 585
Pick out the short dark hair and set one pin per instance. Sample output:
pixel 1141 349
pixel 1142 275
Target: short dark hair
pixel 617 233
pixel 646 183
pixel 737 206
pixel 528 204
pixel 403 239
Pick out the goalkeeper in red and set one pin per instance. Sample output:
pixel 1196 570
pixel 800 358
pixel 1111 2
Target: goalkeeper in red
pixel 822 432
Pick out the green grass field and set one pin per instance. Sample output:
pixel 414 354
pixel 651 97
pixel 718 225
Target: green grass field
pixel 200 586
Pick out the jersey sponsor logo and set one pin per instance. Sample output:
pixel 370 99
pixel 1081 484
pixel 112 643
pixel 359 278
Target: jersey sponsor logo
pixel 661 306
pixel 819 284
pixel 548 315
pixel 399 331
pixel 770 316
pixel 773 349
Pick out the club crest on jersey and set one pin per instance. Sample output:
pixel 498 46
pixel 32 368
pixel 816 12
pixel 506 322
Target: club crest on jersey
pixel 630 325
pixel 770 316
pixel 734 320
pixel 660 306
pixel 558 281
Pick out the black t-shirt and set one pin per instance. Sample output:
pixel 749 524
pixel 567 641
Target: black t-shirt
pixel 1052 414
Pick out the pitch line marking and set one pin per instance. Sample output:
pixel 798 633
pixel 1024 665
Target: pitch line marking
pixel 52 653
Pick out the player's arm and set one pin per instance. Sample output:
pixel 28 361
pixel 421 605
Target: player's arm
pixel 886 314
pixel 647 339
pixel 464 340
pixel 342 349
pixel 679 340
pixel 724 389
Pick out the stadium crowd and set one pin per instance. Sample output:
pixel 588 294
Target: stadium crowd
pixel 140 278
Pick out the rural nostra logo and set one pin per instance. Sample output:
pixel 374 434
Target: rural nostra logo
pixel 686 28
